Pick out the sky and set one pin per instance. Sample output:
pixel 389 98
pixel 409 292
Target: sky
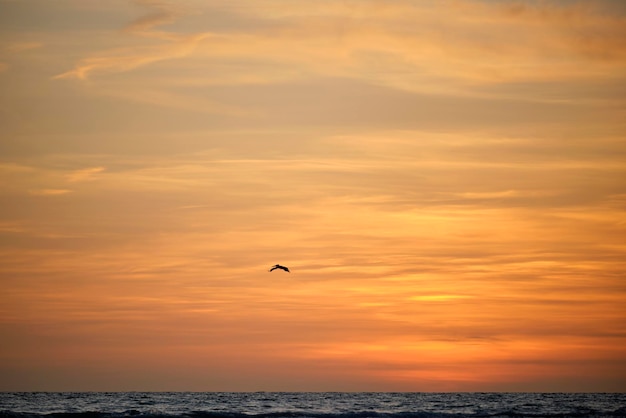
pixel 446 181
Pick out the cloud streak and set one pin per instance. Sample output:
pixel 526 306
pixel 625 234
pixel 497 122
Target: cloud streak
pixel 50 192
pixel 84 174
pixel 162 15
pixel 127 59
pixel 344 41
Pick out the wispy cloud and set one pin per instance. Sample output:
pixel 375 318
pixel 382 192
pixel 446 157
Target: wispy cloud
pixel 410 44
pixel 125 59
pixel 84 174
pixel 23 46
pixel 50 192
pixel 8 50
pixel 437 298
pixel 163 14
pixel 343 41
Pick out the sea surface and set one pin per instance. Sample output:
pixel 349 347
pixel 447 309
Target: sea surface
pixel 308 405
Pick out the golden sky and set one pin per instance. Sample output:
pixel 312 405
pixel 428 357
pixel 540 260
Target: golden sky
pixel 446 180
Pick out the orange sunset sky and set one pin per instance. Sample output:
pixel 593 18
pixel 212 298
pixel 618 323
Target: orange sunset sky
pixel 445 179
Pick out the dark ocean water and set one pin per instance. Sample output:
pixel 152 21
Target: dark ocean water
pixel 305 405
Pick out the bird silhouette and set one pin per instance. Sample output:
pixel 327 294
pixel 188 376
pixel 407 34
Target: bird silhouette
pixel 278 266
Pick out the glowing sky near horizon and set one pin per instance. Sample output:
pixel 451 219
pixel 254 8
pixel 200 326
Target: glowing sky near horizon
pixel 446 181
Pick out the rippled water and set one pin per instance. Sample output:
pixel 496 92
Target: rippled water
pixel 314 405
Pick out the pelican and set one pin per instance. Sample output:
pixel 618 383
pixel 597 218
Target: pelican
pixel 278 266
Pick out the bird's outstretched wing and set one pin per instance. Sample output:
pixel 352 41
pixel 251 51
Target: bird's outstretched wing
pixel 278 266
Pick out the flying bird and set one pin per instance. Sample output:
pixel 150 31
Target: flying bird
pixel 278 266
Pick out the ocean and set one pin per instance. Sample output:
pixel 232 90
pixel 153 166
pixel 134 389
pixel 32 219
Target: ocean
pixel 308 405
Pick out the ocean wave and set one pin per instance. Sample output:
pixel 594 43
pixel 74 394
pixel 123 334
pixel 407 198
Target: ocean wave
pixel 583 412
